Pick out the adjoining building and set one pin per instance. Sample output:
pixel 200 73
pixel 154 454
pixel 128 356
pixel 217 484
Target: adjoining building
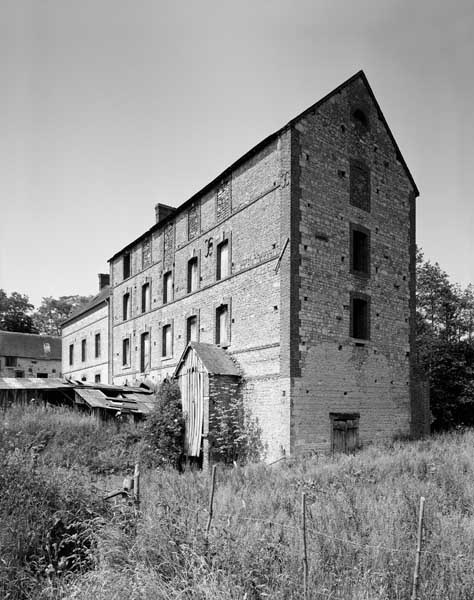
pixel 85 339
pixel 288 281
pixel 29 355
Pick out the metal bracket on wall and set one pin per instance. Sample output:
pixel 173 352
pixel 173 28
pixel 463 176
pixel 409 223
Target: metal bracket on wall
pixel 277 266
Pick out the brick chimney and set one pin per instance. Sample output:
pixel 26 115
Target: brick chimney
pixel 162 211
pixel 104 280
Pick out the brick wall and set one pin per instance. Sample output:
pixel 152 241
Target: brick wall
pixel 86 328
pixel 337 373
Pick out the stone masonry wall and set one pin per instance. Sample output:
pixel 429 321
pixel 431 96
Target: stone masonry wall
pixel 337 372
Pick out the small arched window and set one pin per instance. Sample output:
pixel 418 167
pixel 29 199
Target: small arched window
pixel 360 118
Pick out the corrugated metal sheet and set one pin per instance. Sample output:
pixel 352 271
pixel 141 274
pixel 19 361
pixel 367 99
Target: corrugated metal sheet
pixel 33 383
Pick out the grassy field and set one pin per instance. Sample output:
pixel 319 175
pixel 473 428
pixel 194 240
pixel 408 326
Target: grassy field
pixel 362 514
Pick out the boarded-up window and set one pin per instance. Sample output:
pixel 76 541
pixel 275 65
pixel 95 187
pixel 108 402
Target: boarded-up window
pixel 222 325
pixel 145 352
pixel 145 297
pixel 166 341
pixel 167 287
pixel 192 274
pixel 146 253
pixel 344 432
pixel 193 220
pixel 360 186
pixel 191 329
pixel 223 266
pixel 224 200
pixel 168 245
pixel 126 352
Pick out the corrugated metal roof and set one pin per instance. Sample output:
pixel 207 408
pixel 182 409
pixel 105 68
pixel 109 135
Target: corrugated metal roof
pixel 33 383
pixel 215 360
pixel 30 345
pixel 131 402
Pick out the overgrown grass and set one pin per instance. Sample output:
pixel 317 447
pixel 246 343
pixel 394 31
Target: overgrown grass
pixel 362 521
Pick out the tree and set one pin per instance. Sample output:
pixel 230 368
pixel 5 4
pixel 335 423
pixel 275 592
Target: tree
pixel 445 345
pixel 15 313
pixel 53 311
pixel 164 429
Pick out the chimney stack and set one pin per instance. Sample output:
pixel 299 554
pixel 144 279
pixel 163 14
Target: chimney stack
pixel 162 211
pixel 104 280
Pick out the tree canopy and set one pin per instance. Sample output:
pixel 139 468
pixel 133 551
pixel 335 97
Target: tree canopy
pixel 445 345
pixel 53 311
pixel 16 313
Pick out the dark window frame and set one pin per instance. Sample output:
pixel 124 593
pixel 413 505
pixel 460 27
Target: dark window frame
pixel 167 276
pixel 146 304
pixel 126 352
pixel 355 250
pixel 126 265
pixel 193 261
pixel 224 242
pixel 165 351
pixel 360 324
pixel 97 345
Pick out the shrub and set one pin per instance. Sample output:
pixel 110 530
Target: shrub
pixel 164 428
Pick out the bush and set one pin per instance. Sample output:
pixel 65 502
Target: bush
pixel 49 523
pixel 164 428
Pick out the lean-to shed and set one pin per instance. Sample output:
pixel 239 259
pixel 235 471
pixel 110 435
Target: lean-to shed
pixel 204 372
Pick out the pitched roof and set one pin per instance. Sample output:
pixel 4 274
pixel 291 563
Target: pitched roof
pixel 96 301
pixel 267 141
pixel 33 383
pixel 214 359
pixel 30 345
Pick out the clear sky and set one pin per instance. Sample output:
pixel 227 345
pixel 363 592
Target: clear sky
pixel 110 106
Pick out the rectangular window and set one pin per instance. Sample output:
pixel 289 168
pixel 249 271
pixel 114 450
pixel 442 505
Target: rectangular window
pixel 192 274
pixel 11 361
pixel 83 350
pixel 71 355
pixel 126 265
pixel 222 260
pixel 145 297
pixel 97 378
pixel 42 375
pixel 126 352
pixel 191 329
pixel 166 341
pixel 144 352
pixel 360 185
pixel 360 317
pixel 126 306
pixel 19 373
pixel 97 345
pixel 167 287
pixel 360 250
pixel 222 325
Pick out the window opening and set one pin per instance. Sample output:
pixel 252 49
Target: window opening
pixel 191 329
pixel 167 287
pixel 166 341
pixel 126 306
pixel 222 325
pixel 144 352
pixel 223 260
pixel 145 297
pixel 126 352
pixel 360 326
pixel 360 251
pixel 192 274
pixel 83 350
pixel 97 345
pixel 126 265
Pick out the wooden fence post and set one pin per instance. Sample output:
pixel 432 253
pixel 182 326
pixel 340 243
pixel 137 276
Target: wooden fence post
pixel 419 542
pixel 211 500
pixel 305 555
pixel 136 485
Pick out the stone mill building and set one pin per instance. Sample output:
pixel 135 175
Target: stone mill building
pixel 288 280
